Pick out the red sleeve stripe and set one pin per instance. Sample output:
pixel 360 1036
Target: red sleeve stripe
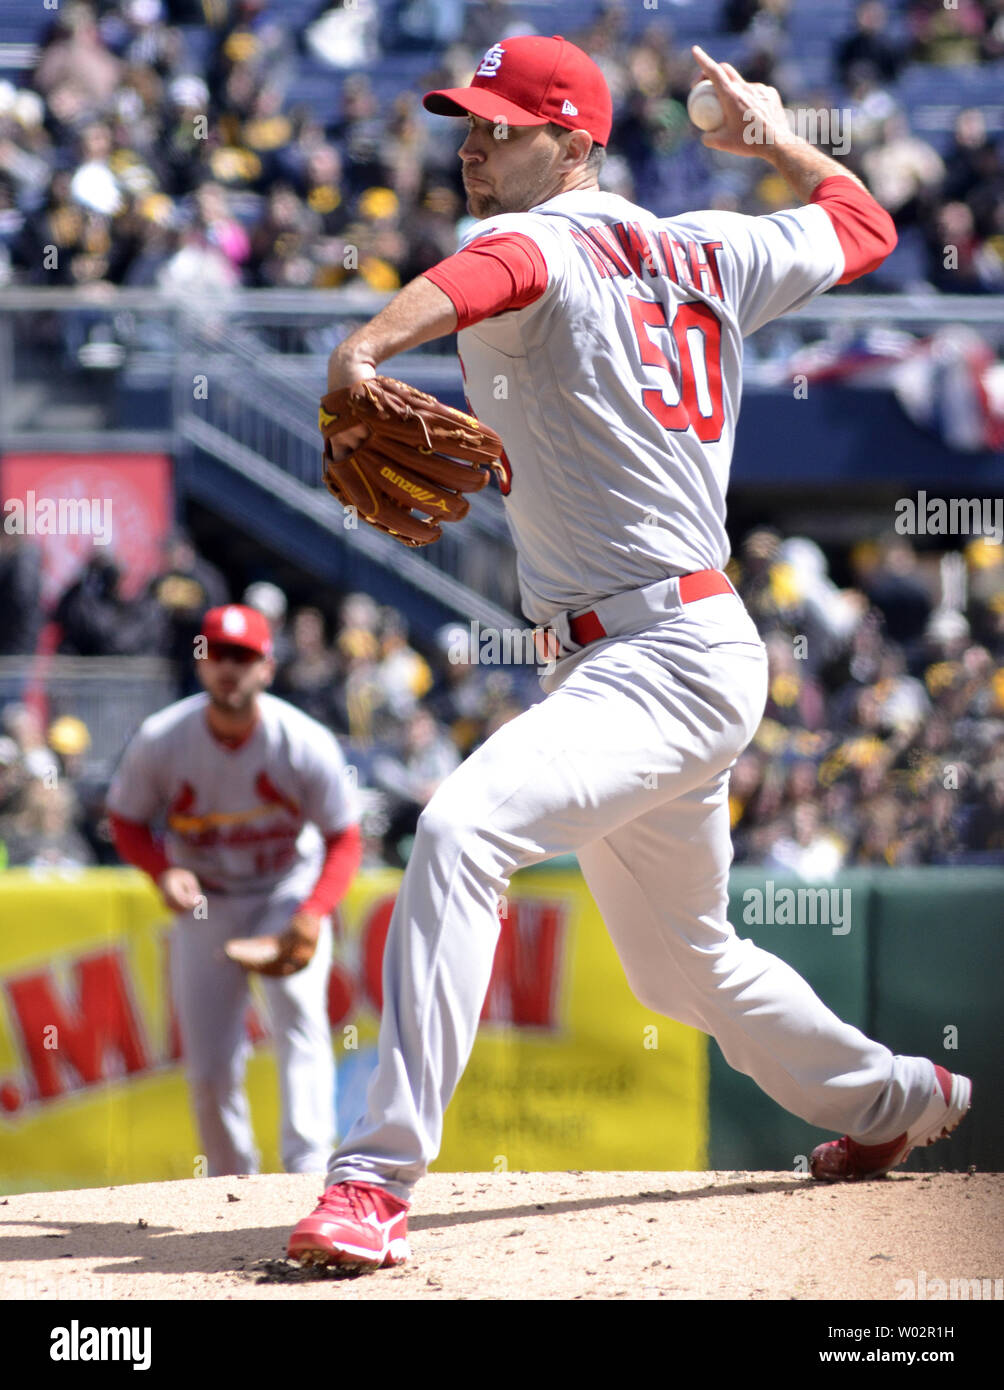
pixel 342 858
pixel 864 229
pixel 493 275
pixel 135 845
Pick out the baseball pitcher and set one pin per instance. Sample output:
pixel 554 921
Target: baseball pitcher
pixel 603 346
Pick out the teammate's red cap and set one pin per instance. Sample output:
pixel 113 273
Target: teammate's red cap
pixel 234 625
pixel 530 81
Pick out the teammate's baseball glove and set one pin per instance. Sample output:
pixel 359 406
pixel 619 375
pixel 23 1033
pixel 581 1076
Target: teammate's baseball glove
pixel 417 455
pixel 285 954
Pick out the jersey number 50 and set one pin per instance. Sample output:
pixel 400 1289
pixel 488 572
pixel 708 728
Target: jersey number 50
pixel 697 334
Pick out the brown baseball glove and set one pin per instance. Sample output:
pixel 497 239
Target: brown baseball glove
pixel 286 954
pixel 391 451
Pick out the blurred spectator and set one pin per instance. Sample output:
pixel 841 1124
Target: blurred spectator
pixel 21 613
pixel 12 780
pixel 320 186
pixel 96 620
pixel 183 590
pixel 270 601
pixel 403 676
pixel 156 240
pixel 903 171
pixel 307 680
pixel 807 849
pixel 94 186
pixel 182 146
pixel 220 228
pixel 407 139
pixel 281 243
pixel 358 699
pixel 869 51
pixel 880 839
pixel 197 269
pixel 345 34
pixel 973 161
pixel 893 582
pixel 70 740
pixel 462 697
pixel 43 833
pixel 359 611
pixel 951 35
pixel 488 22
pixel 359 131
pixel 984 829
pixel 794 697
pixel 959 261
pixel 432 234
pixel 829 615
pixel 765 584
pixel 425 758
pixel 985 579
pixel 23 724
pixel 76 73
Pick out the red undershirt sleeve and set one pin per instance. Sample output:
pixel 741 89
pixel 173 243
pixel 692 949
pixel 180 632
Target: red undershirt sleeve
pixel 135 844
pixel 491 276
pixel 864 229
pixel 343 855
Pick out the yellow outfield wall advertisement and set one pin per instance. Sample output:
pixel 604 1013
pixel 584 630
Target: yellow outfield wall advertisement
pixel 569 1070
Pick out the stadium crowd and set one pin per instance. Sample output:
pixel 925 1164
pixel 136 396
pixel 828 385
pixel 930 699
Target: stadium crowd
pixel 135 156
pixel 882 741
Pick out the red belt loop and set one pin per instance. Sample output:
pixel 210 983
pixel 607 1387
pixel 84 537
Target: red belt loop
pixel 703 584
pixel 587 627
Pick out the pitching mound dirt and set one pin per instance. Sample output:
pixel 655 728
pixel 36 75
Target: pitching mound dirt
pixel 518 1236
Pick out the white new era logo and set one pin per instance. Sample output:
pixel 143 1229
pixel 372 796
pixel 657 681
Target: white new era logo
pixel 567 109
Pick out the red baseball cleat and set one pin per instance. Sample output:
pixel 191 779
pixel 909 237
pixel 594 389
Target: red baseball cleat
pixel 356 1225
pixel 843 1160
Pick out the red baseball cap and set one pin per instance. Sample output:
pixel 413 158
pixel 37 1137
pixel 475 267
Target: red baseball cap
pixel 234 625
pixel 531 81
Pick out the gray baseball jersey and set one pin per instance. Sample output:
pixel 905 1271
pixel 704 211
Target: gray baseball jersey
pixel 590 363
pixel 249 819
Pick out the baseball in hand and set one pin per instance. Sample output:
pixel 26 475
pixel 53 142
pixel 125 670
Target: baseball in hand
pixel 703 106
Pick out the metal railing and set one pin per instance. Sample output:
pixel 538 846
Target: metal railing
pixel 261 418
pixel 112 695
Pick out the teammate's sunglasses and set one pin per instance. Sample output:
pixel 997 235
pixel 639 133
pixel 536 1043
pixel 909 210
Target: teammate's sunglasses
pixel 224 651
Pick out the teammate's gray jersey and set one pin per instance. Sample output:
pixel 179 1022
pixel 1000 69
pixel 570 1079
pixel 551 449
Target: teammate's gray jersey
pixel 244 820
pixel 616 392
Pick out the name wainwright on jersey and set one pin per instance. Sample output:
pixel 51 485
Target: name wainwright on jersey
pixel 626 248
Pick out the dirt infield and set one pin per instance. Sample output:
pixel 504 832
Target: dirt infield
pixel 519 1235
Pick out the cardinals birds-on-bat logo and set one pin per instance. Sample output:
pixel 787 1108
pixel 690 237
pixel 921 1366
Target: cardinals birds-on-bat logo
pixel 184 820
pixel 271 794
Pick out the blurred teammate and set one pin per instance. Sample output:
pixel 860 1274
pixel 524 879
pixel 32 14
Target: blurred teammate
pixel 261 840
